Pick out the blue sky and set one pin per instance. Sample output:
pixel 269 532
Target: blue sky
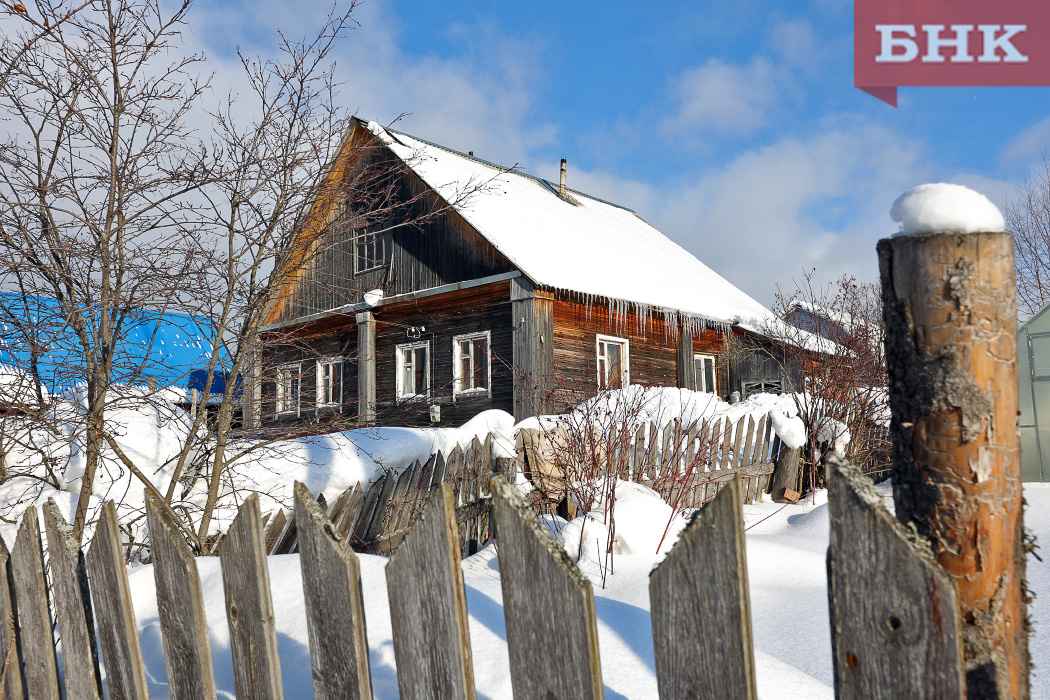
pixel 732 127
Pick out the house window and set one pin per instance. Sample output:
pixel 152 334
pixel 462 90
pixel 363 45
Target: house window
pixel 471 363
pixel 330 381
pixel 413 370
pixel 372 246
pixel 289 382
pixel 704 373
pixel 613 362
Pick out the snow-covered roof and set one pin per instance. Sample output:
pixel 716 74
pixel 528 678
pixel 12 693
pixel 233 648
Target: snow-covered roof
pixel 587 245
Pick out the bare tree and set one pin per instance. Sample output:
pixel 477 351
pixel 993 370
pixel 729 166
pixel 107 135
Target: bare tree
pixel 1028 218
pixel 834 335
pixel 112 207
pixel 95 171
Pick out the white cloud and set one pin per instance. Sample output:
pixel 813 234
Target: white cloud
pixel 724 97
pixel 1028 145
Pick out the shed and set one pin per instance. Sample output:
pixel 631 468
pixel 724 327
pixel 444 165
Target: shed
pixel 1033 376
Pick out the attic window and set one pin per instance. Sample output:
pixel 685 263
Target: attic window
pixel 372 246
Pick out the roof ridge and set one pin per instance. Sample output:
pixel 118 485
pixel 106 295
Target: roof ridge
pixel 512 171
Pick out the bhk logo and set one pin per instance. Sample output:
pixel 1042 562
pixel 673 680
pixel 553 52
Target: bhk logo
pixel 949 42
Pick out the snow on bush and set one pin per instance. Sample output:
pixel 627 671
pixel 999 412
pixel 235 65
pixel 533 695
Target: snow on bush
pixel 943 207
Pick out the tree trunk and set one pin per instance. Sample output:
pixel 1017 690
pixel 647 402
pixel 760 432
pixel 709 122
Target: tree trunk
pixel 951 352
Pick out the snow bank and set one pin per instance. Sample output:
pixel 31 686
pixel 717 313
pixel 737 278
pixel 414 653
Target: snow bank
pixel 940 207
pixel 790 429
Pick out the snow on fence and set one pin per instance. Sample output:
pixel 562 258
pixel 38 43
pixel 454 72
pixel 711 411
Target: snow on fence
pixel 375 518
pixel 893 610
pixel 686 464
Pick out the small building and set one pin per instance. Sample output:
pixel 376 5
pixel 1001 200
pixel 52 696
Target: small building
pixel 1033 374
pixel 492 289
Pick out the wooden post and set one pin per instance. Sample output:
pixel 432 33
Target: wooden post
pixel 785 475
pixel 117 634
pixel 548 605
pixel 366 367
pixel 249 607
pixel 428 607
pixel 12 686
pixel 702 586
pixel 951 353
pixel 34 616
pixel 894 617
pixel 183 626
pixel 72 600
pixel 335 616
pixel 686 368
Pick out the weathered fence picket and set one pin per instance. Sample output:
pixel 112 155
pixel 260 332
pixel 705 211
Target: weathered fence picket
pixel 701 586
pixel 119 637
pixel 34 618
pixel 10 666
pixel 548 605
pixel 335 614
pixel 184 628
pixel 72 607
pixel 249 608
pixel 894 617
pixel 428 612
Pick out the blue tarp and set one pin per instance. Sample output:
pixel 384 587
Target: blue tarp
pixel 166 347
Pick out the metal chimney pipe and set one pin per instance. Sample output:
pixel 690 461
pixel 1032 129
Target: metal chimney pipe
pixel 561 187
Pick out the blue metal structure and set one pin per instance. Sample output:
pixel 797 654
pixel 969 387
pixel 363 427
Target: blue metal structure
pixel 162 347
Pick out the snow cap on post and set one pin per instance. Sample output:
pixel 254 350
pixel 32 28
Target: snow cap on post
pixel 941 207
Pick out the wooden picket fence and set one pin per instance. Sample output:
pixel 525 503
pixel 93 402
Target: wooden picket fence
pixel 687 464
pixel 375 518
pixel 895 626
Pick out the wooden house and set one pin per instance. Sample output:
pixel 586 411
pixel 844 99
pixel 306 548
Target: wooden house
pixel 490 289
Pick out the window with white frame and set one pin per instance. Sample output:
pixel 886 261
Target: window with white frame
pixel 330 381
pixel 704 373
pixel 613 362
pixel 471 363
pixel 289 382
pixel 413 370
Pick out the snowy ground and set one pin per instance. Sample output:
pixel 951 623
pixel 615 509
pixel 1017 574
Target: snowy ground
pixel 786 549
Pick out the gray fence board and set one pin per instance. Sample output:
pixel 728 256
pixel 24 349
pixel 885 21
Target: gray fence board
pixel 72 598
pixel 894 618
pixel 184 628
pixel 699 593
pixel 10 658
pixel 117 633
pixel 249 608
pixel 34 618
pixel 428 611
pixel 548 604
pixel 334 612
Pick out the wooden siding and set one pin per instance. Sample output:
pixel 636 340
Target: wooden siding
pixel 653 349
pixel 432 245
pixel 444 316
pixel 532 313
pixel 478 309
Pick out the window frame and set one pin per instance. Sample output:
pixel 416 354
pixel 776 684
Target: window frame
pixel 625 364
pixel 381 233
pixel 457 381
pixel 321 362
pixel 399 373
pixel 280 400
pixel 714 373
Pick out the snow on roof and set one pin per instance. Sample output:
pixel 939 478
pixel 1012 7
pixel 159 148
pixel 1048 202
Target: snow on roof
pixel 942 207
pixel 587 245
